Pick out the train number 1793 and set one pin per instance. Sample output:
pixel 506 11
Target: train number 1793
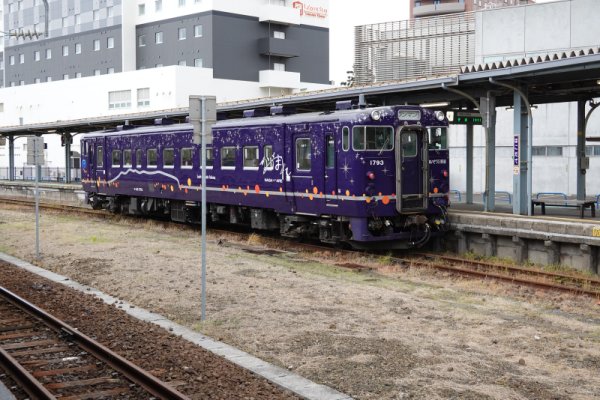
pixel 376 162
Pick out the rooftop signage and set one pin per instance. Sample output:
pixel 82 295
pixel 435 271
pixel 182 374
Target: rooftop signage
pixel 307 10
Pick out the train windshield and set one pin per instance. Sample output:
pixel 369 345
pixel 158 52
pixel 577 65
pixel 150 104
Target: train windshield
pixel 438 138
pixel 377 138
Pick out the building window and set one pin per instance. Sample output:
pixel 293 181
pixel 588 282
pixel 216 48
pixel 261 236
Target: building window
pixel 197 30
pixel 65 50
pixel 181 3
pixel 228 158
pixel 119 99
pixel 158 37
pixel 181 33
pixel 78 75
pixel 109 12
pixel 11 60
pixel 127 158
pixel 186 158
pixel 279 66
pixel 110 70
pixel 251 157
pixel 96 72
pixel 143 97
pixel 279 35
pixel 181 63
pixel 110 43
pixel 37 80
pixel 554 151
pixel 141 9
pixel 158 65
pixel 77 19
pixel 66 77
pixel 198 62
pixel 36 55
pixel 21 58
pixel 96 15
pixel 48 79
pixel 142 40
pixel 96 44
pixel 157 5
pixel 22 83
pixel 48 54
pixel 151 158
pixel 77 48
pixel 303 154
pixel 65 22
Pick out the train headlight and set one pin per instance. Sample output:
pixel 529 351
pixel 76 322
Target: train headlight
pixel 439 115
pixel 375 115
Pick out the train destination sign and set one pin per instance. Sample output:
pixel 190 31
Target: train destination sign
pixel 467 118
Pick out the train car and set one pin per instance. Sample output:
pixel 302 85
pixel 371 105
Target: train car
pixel 368 177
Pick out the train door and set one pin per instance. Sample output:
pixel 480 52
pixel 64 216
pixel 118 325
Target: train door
pixel 302 176
pixel 412 169
pixel 330 174
pixel 97 172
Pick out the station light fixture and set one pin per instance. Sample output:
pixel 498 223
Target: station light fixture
pixel 435 105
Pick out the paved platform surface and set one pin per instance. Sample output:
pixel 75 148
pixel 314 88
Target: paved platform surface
pixel 288 380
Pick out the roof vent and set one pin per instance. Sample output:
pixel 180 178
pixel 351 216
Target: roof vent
pixel 257 112
pixel 163 121
pixel 282 110
pixel 125 127
pixel 343 105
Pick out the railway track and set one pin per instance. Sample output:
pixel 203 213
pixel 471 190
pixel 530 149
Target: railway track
pixel 566 282
pixel 52 360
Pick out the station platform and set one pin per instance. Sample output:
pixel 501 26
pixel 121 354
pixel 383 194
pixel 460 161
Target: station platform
pixel 560 237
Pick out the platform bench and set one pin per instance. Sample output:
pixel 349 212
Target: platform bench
pixel 579 204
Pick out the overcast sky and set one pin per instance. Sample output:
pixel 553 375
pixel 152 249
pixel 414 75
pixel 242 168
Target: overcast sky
pixel 344 15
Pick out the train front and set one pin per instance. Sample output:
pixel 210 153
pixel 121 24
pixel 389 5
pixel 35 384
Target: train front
pixel 407 179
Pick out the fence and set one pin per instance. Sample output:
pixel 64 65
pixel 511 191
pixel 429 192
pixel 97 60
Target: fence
pixel 48 174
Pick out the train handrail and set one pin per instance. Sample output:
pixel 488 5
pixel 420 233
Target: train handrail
pixel 556 194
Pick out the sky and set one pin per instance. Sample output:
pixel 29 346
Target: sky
pixel 344 15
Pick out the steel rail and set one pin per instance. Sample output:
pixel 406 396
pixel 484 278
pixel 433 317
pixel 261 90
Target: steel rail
pixel 154 386
pixel 24 379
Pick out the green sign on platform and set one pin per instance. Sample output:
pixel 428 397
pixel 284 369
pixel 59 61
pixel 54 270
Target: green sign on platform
pixel 468 119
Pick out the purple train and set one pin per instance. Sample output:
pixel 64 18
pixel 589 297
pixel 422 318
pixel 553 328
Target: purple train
pixel 368 177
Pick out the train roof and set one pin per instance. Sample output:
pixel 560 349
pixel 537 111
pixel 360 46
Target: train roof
pixel 302 118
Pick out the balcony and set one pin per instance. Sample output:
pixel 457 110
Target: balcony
pixel 277 47
pixel 278 14
pixel 278 79
pixel 438 9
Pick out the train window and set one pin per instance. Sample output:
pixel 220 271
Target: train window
pixel 168 158
pixel 186 157
pixel 251 157
pixel 138 158
pixel 127 158
pixel 209 158
pixel 151 158
pixel 409 144
pixel 345 138
pixel 330 151
pixel 268 161
pixel 99 157
pixel 358 138
pixel 379 138
pixel 228 158
pixel 303 154
pixel 438 139
pixel 116 158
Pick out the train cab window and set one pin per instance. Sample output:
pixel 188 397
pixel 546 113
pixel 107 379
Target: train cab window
pixel 127 158
pixel 303 154
pixel 209 158
pixel 345 138
pixel 186 158
pixel 138 158
pixel 330 163
pixel 268 161
pixel 228 158
pixel 409 144
pixel 116 158
pixel 99 157
pixel 438 139
pixel 151 158
pixel 168 158
pixel 251 157
pixel 358 138
pixel 375 138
